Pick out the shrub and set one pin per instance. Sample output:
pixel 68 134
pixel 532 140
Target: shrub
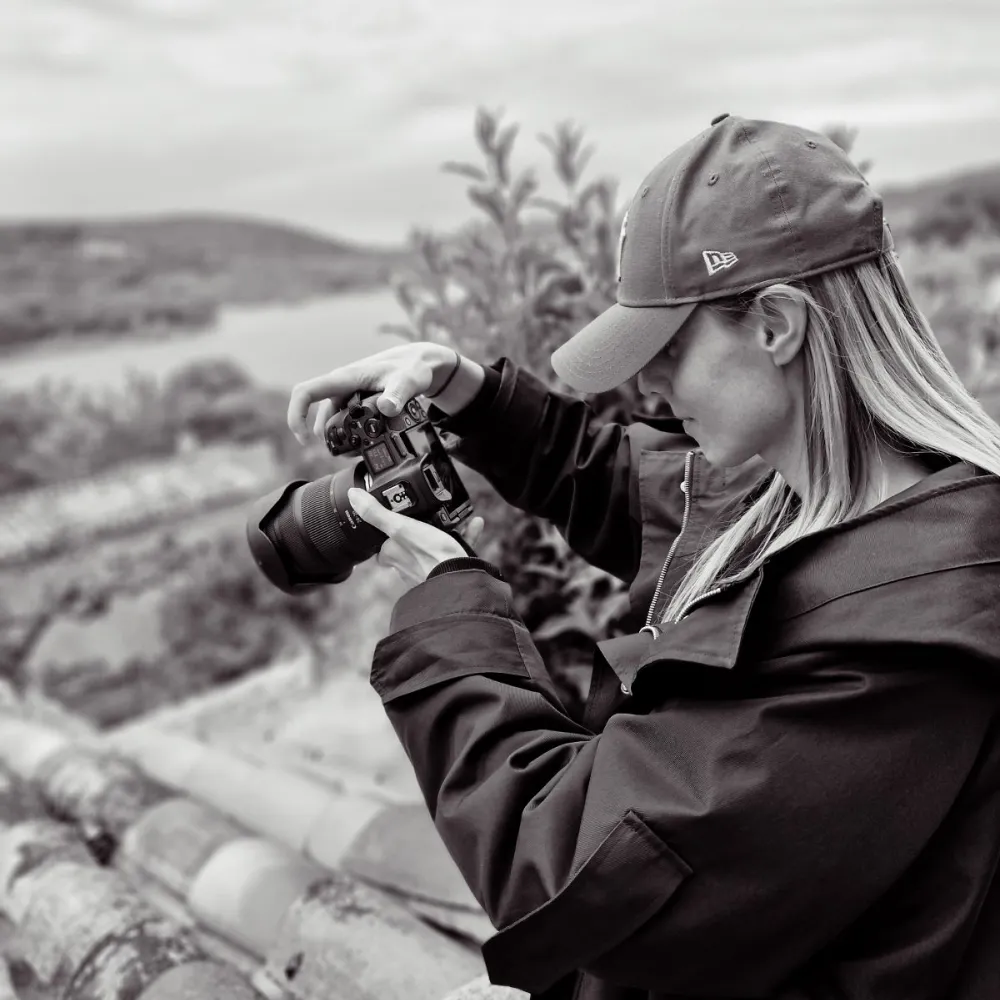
pixel 57 431
pixel 518 283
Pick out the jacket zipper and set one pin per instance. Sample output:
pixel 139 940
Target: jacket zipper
pixel 728 585
pixel 702 597
pixel 686 490
pixel 654 630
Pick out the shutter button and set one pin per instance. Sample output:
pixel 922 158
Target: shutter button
pixel 720 118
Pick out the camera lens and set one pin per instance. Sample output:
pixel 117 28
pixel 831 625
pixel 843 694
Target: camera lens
pixel 307 534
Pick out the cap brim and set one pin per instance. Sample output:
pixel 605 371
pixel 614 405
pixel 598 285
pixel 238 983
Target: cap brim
pixel 616 345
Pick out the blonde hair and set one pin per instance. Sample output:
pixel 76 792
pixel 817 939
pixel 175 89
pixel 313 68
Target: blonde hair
pixel 874 374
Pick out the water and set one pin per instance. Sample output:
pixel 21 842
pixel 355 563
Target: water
pixel 278 345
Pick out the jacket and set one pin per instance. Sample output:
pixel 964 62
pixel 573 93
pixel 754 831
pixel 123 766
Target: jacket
pixel 793 792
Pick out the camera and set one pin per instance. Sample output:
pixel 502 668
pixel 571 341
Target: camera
pixel 306 534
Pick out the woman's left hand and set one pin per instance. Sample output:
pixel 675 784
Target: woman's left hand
pixel 413 548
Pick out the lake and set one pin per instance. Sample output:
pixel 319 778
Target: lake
pixel 279 345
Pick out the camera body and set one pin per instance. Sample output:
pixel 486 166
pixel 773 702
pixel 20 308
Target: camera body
pixel 307 534
pixel 406 466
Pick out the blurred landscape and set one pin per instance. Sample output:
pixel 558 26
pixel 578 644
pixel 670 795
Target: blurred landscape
pixel 153 277
pixel 205 202
pixel 125 580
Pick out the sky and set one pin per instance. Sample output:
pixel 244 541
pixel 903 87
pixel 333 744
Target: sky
pixel 338 115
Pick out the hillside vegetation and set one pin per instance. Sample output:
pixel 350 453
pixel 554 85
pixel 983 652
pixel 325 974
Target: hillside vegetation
pixel 152 277
pixel 950 210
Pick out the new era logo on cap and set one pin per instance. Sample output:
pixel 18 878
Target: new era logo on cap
pixel 716 260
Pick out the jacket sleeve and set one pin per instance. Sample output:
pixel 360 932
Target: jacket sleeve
pixel 547 453
pixel 710 846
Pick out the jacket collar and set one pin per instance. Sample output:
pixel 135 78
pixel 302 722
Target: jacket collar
pixel 947 520
pixel 711 637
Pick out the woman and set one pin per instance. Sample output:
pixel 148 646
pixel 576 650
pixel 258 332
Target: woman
pixel 787 783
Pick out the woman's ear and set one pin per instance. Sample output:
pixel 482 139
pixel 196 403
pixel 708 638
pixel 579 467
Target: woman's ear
pixel 783 321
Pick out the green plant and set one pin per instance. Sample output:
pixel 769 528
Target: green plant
pixel 518 283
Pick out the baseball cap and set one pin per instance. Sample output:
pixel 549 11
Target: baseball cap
pixel 742 205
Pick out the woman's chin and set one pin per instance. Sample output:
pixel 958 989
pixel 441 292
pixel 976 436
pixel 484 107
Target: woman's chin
pixel 716 453
pixel 721 458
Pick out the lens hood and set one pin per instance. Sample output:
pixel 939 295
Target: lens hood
pixel 264 553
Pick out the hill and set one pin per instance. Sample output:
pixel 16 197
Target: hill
pixel 225 236
pixel 188 234
pixel 152 276
pixel 952 208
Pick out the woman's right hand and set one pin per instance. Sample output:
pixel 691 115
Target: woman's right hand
pixel 401 372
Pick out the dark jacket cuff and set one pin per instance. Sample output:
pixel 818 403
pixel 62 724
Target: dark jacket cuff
pixel 466 562
pixel 469 416
pixel 465 590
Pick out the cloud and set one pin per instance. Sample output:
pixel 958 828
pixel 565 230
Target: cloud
pixel 926 108
pixel 157 14
pixel 339 113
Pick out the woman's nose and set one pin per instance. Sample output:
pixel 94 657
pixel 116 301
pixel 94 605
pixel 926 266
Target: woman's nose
pixel 650 386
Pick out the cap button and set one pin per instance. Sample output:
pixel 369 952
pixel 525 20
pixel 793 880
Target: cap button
pixel 720 118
